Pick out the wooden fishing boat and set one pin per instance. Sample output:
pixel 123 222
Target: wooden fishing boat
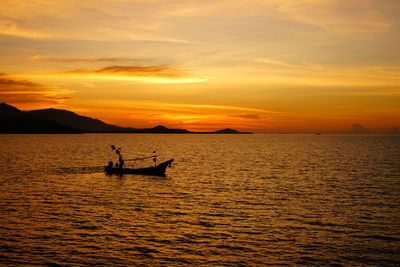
pixel 153 170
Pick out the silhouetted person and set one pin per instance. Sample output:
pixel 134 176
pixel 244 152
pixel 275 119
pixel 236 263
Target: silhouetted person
pixel 121 161
pixel 154 159
pixel 110 164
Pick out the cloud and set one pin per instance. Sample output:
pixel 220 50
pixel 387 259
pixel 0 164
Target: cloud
pixel 14 27
pixel 184 115
pixel 85 20
pixel 394 130
pixel 21 91
pixel 170 21
pixel 283 64
pixel 340 16
pixel 358 129
pixel 223 108
pixel 248 116
pixel 150 74
pixel 154 71
pixel 40 58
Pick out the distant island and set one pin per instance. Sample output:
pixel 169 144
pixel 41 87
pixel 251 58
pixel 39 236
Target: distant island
pixel 59 121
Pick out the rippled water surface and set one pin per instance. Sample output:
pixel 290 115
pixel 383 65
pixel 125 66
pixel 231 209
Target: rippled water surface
pixel 228 200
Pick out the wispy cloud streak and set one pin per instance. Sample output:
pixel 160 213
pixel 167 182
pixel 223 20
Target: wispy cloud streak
pixel 40 58
pixel 150 74
pixel 17 91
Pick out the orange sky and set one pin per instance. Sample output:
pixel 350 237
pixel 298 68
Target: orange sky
pixel 252 65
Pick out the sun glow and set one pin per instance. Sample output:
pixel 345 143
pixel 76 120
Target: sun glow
pixel 255 65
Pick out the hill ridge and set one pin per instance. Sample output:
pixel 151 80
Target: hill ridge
pixel 71 122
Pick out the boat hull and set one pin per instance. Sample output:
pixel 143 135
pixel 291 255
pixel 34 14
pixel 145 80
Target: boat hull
pixel 155 170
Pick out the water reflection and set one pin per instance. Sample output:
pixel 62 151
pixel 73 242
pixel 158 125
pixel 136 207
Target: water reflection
pixel 229 200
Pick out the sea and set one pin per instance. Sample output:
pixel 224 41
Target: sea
pixel 227 200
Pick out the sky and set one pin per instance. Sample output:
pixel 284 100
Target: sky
pixel 265 66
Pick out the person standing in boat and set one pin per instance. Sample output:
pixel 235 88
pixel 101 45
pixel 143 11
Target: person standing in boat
pixel 154 158
pixel 121 162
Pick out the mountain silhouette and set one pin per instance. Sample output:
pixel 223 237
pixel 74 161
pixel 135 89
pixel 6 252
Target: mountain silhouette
pixel 78 122
pixel 161 129
pixel 13 120
pixel 229 131
pixel 7 111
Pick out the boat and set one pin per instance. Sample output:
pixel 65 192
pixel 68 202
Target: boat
pixel 158 170
pixel 119 167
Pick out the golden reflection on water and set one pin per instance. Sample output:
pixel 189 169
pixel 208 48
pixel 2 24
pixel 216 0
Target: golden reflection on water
pixel 228 200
